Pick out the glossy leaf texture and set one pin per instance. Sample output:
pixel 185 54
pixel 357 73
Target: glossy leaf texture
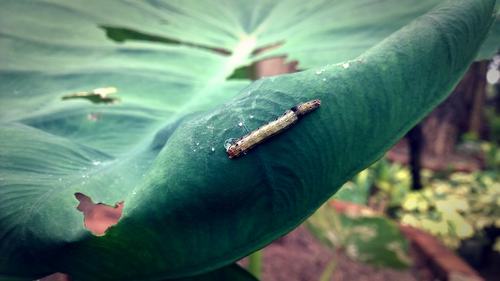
pixel 229 273
pixel 188 208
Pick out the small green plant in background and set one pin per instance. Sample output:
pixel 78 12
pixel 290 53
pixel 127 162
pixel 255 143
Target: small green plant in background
pixel 454 206
pixel 392 182
pixel 458 206
pixel 363 236
pixel 255 264
pixel 369 238
pixel 357 190
pixel 457 209
pixel 492 155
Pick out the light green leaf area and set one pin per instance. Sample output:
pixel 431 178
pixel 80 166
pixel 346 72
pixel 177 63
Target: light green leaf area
pixel 375 240
pixel 188 208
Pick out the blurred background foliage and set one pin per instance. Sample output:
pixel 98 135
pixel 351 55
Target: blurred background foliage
pixel 460 206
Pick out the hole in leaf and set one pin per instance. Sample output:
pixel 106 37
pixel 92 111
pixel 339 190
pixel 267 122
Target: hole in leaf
pixel 98 217
pixel 274 66
pixel 120 35
pixel 265 68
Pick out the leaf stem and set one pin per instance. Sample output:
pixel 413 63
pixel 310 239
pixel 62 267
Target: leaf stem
pixel 255 264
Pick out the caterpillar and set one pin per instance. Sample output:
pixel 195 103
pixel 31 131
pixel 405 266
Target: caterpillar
pixel 241 146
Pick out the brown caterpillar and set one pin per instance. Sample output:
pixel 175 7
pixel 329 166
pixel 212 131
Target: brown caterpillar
pixel 242 145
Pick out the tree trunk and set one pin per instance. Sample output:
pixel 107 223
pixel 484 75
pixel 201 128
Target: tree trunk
pixel 416 143
pixel 462 112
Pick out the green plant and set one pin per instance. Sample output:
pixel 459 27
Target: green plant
pixel 357 189
pixel 367 238
pixel 393 180
pixel 188 209
pixel 454 206
pixel 492 155
pixel 255 264
pixel 456 209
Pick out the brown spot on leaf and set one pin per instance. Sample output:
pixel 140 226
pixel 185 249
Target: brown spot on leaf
pixel 98 217
pixel 99 95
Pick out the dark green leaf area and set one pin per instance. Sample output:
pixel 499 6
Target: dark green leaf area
pixel 199 210
pixel 194 210
pixel 229 273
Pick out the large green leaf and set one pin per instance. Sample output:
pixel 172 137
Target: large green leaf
pixel 43 58
pixel 229 273
pixel 189 209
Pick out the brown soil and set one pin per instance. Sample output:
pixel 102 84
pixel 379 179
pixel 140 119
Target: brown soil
pixel 298 256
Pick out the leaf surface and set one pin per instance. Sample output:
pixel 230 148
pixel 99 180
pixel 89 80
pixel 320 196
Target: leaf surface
pixel 188 208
